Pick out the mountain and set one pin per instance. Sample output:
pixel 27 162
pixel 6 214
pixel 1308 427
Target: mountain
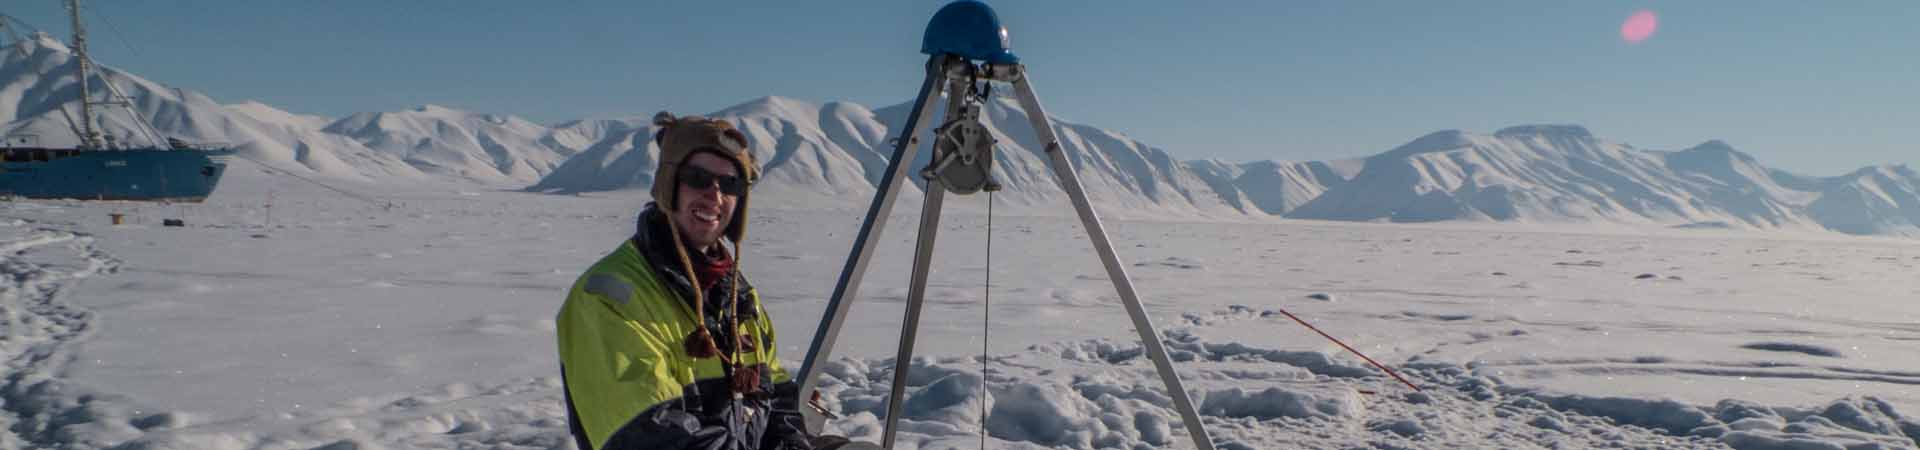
pixel 424 143
pixel 268 113
pixel 36 82
pixel 623 158
pixel 1530 173
pixel 1274 187
pixel 1875 200
pixel 1737 184
pixel 1558 173
pixel 835 153
pixel 451 142
pixel 1562 173
pixel 818 152
pixel 582 133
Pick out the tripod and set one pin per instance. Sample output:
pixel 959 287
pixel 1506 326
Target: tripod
pixel 959 34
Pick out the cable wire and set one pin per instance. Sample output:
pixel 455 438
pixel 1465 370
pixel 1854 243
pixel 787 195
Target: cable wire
pixel 1382 367
pixel 986 321
pixel 116 30
pixel 343 192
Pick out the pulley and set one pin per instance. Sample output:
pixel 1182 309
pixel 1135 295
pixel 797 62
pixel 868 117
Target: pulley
pixel 963 153
pixel 962 33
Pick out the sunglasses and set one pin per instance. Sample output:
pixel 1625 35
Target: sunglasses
pixel 698 178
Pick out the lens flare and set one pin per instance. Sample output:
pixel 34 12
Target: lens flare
pixel 1639 26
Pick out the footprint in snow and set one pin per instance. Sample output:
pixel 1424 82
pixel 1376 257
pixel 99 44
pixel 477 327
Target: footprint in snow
pixel 1587 263
pixel 1174 262
pixel 1793 347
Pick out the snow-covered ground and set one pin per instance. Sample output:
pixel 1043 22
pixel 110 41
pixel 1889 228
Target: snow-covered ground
pixel 427 323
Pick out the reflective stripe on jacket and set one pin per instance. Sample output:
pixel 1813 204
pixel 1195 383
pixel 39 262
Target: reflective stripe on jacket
pixel 622 334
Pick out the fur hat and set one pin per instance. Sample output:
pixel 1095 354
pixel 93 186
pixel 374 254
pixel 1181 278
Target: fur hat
pixel 680 138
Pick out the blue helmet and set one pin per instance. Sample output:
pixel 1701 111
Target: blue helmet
pixel 968 28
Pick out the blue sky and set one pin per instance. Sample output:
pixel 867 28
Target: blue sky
pixel 1815 87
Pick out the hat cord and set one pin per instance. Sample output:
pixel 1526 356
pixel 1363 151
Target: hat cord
pixel 700 342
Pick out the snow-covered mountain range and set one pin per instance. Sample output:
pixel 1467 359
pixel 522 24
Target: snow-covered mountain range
pixel 1562 173
pixel 838 151
pixel 424 143
pixel 835 153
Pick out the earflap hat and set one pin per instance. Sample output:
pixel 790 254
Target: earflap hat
pixel 680 138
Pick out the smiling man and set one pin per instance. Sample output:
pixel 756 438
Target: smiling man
pixel 663 343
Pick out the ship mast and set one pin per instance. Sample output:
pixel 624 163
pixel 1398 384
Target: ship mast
pixel 89 139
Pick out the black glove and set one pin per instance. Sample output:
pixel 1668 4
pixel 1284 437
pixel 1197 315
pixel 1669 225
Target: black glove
pixel 786 429
pixel 666 428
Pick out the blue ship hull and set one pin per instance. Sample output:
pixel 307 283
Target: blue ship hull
pixel 186 175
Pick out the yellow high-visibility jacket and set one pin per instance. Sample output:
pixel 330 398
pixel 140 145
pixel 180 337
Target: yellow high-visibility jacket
pixel 631 384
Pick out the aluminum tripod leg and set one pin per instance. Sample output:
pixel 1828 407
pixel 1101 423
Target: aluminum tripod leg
pixel 904 150
pixel 1149 337
pixel 917 287
pixel 916 298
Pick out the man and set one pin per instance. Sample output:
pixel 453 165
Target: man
pixel 663 343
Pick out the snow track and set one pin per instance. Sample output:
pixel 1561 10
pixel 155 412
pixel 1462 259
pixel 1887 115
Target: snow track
pixel 430 327
pixel 37 330
pixel 1101 394
pixel 39 409
pixel 515 414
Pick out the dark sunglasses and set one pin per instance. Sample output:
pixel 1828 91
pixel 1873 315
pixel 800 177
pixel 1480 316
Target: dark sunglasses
pixel 698 178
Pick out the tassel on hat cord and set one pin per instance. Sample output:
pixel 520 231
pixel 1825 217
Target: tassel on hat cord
pixel 700 343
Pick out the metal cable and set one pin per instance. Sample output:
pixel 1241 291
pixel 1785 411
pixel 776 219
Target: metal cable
pixel 354 196
pixel 1382 367
pixel 141 124
pixel 986 319
pixel 116 30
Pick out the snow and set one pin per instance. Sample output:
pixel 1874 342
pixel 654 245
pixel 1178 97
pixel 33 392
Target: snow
pixel 461 144
pixel 1563 174
pixel 429 142
pixel 834 154
pixel 416 311
pixel 1873 200
pixel 268 113
pixel 429 325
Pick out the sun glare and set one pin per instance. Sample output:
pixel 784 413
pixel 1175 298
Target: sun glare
pixel 1639 26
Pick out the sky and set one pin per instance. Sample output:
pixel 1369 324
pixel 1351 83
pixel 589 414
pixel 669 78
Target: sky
pixel 1820 88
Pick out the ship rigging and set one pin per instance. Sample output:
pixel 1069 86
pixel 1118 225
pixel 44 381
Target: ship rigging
pixel 101 167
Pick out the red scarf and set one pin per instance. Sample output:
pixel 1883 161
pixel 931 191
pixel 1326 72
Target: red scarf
pixel 708 268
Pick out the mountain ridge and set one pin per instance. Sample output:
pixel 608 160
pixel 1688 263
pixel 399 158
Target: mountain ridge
pixel 836 152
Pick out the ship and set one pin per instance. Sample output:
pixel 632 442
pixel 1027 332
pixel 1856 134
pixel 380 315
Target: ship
pixel 99 168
